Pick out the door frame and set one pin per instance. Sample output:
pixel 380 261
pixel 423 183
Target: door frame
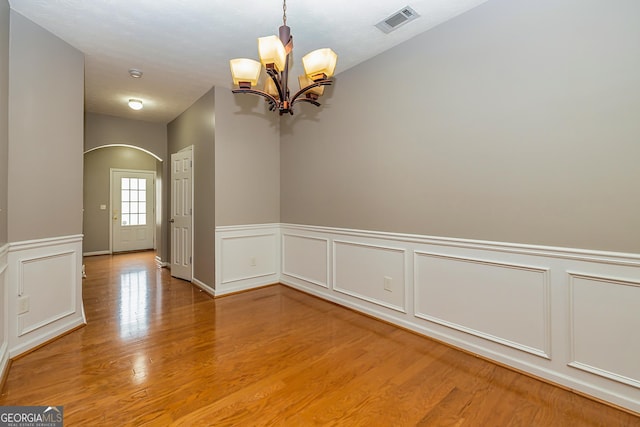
pixel 155 203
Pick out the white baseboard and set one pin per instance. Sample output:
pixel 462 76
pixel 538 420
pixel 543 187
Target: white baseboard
pixel 96 253
pixel 162 264
pixel 204 287
pixel 565 315
pixel 52 332
pixel 4 359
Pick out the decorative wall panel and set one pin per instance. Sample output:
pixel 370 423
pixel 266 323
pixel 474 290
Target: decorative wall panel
pixel 44 291
pixel 246 257
pixel 370 272
pixel 605 327
pixel 505 303
pixel 306 258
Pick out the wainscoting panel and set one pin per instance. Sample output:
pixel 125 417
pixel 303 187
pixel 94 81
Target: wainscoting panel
pixel 370 272
pixel 505 303
pixel 50 303
pixel 44 291
pixel 4 337
pixel 246 257
pixel 605 327
pixel 306 258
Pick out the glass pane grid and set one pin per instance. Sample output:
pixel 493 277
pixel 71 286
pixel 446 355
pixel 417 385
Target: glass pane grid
pixel 133 202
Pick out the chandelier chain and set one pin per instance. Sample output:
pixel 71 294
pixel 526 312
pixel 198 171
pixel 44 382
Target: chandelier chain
pixel 284 12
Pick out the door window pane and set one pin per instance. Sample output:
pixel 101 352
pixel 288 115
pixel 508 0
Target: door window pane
pixel 133 204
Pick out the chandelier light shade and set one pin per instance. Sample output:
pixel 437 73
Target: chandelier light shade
pixel 245 71
pixel 320 63
pixel 272 52
pixel 275 55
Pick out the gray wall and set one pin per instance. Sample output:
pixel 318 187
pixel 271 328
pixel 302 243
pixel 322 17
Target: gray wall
pixel 516 121
pixel 195 126
pixel 46 99
pixel 101 130
pixel 247 160
pixel 4 118
pixel 97 173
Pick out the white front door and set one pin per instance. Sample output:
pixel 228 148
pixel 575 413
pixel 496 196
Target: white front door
pixel 132 203
pixel 181 214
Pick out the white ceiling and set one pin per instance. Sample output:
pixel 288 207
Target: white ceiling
pixel 184 46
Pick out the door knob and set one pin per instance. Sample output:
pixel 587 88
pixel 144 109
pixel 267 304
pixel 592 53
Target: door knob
pixel 172 220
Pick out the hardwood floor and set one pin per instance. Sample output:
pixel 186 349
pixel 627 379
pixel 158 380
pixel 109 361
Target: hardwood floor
pixel 157 351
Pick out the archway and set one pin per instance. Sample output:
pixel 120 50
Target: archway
pixel 97 218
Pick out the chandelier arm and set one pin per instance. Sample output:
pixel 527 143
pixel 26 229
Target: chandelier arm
pixel 271 99
pixel 324 82
pixel 310 101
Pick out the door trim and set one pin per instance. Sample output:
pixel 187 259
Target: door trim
pixel 155 203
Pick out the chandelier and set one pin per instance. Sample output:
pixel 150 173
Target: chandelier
pixel 275 52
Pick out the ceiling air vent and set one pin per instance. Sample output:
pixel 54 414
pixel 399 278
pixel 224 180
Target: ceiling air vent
pixel 398 19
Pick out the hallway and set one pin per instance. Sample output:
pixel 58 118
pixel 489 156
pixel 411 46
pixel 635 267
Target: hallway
pixel 158 351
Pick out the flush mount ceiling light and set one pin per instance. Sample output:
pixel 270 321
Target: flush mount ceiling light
pixel 275 53
pixel 135 73
pixel 135 104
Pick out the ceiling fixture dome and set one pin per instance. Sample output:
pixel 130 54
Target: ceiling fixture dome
pixel 135 73
pixel 135 104
pixel 275 53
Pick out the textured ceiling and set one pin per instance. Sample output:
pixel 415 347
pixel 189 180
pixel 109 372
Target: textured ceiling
pixel 184 46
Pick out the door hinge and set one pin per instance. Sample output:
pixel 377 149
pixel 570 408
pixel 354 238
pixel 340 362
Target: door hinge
pixel 190 260
pixel 190 211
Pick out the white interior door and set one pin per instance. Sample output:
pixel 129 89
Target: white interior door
pixel 132 206
pixel 181 214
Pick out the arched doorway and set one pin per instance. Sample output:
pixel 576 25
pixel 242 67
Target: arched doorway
pixel 98 210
